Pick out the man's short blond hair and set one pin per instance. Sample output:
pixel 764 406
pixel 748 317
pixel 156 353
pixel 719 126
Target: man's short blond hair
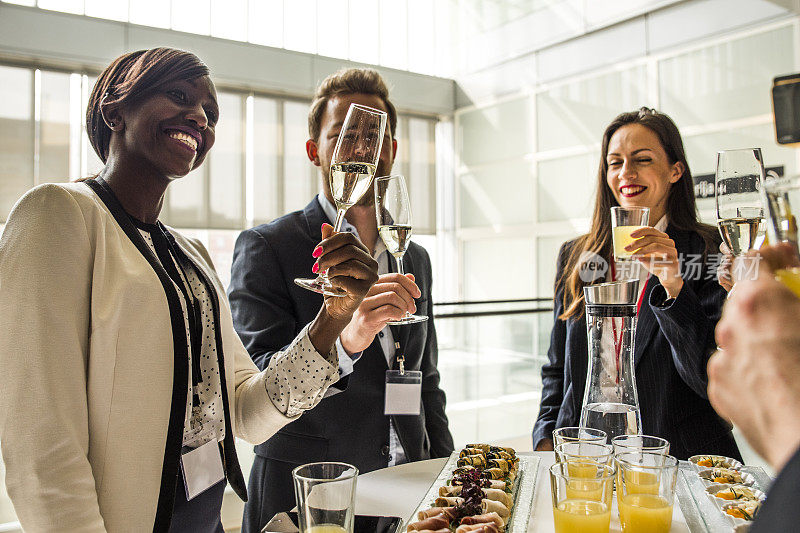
pixel 349 81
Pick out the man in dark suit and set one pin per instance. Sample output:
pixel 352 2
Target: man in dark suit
pixel 269 310
pixel 755 382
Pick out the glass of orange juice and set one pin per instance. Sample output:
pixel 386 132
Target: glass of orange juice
pixel 646 491
pixel 594 452
pixel 581 504
pixel 780 194
pixel 640 443
pixel 578 434
pixel 624 221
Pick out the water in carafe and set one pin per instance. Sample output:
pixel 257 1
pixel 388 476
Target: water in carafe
pixel 610 401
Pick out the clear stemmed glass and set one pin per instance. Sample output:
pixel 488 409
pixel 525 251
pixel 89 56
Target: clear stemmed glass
pixel 740 213
pixel 393 213
pixel 353 165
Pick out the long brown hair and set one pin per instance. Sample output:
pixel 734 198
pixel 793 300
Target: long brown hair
pixel 131 78
pixel 681 207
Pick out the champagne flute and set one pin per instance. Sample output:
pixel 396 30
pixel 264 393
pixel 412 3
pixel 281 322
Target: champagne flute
pixel 355 158
pixel 739 208
pixel 740 214
pixel 393 212
pixel 779 194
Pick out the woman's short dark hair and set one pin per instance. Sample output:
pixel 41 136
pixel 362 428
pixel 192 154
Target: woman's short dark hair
pixel 131 78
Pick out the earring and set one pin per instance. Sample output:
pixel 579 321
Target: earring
pixel 111 124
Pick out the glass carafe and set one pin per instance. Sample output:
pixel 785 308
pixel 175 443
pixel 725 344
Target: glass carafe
pixel 610 402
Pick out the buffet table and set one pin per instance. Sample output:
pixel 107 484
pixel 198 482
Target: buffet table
pixel 397 491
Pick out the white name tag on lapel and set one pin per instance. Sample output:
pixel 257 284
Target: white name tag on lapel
pixel 202 468
pixel 403 392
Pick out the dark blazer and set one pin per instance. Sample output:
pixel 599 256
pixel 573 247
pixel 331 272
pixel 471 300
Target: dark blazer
pixel 672 346
pixel 269 310
pixel 781 511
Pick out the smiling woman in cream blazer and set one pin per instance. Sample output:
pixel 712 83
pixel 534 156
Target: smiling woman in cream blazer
pixel 107 363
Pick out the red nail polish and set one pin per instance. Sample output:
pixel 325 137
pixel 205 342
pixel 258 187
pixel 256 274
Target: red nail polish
pixel 315 268
pixel 317 252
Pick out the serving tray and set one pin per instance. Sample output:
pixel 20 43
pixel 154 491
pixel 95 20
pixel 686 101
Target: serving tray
pixel 524 486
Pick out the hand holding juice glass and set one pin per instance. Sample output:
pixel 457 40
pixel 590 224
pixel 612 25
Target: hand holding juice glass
pixel 624 221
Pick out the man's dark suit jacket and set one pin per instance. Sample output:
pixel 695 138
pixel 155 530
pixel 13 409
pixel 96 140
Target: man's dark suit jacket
pixel 781 511
pixel 269 310
pixel 671 348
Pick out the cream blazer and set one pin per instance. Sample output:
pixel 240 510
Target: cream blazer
pixel 89 406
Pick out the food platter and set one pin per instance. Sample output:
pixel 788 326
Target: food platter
pixel 703 512
pixel 523 491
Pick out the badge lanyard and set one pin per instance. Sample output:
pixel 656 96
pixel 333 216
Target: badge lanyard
pixel 618 340
pixel 403 388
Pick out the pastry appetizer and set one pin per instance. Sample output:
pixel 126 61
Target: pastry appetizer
pixel 721 475
pixel 738 493
pixel 744 510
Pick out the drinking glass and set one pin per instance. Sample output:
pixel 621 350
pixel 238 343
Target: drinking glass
pixel 393 212
pixel 737 193
pixel 593 452
pixel 325 495
pixel 639 443
pixel 646 491
pixel 779 196
pixel 582 504
pixel 578 434
pixel 624 221
pixel 355 158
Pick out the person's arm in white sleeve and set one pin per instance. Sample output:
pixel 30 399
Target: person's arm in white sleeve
pixel 46 259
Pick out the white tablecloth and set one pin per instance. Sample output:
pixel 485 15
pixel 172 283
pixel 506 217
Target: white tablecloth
pixel 397 491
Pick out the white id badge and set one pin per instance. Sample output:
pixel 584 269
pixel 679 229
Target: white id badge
pixel 202 468
pixel 403 392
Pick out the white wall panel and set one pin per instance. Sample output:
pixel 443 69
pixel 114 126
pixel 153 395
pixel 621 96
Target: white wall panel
pixel 690 21
pixel 612 45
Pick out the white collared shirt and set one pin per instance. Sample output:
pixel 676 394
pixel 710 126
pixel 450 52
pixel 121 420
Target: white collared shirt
pixel 396 453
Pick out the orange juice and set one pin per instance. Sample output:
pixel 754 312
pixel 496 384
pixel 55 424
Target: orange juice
pixel 622 238
pixel 583 469
pixel 645 513
pixel 791 278
pixel 581 516
pixel 326 528
pixel 585 489
pixel 638 482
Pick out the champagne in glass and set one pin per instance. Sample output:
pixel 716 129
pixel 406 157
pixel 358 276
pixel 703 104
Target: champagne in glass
pixel 393 213
pixel 737 193
pixel 779 195
pixel 355 159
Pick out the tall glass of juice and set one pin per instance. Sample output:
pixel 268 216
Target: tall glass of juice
pixel 582 504
pixel 646 491
pixel 325 496
pixel 624 221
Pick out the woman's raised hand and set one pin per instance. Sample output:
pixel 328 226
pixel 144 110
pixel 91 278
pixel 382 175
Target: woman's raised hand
pixel 657 253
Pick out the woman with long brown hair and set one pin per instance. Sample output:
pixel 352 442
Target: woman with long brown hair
pixel 643 164
pixel 123 380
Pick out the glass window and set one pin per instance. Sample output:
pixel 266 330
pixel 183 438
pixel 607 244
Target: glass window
pixel 300 176
pixel 394 34
pixel 496 132
pixel 576 114
pixel 422 174
pixel 54 127
pixel 300 22
pixel 229 19
pixel 566 187
pixel 193 16
pixel 422 37
pixel 497 195
pixel 226 165
pixel 546 257
pixel 333 32
pixel 265 22
pixel 266 199
pixel 108 9
pixel 16 135
pixel 66 6
pixel 364 31
pixel 726 81
pixel 498 268
pixel 150 13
